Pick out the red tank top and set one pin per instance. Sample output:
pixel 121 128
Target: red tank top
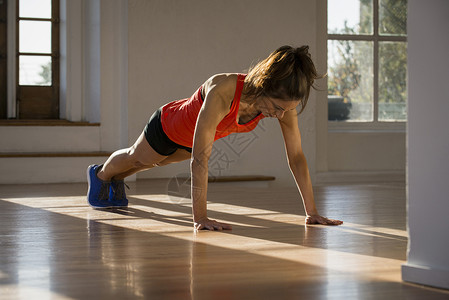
pixel 179 117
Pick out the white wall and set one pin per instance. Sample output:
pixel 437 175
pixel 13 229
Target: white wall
pixel 174 46
pixel 366 151
pixel 428 144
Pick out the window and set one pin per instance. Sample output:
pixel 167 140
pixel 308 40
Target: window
pixel 367 61
pixel 36 59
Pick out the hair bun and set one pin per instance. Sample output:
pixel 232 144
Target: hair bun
pixel 303 50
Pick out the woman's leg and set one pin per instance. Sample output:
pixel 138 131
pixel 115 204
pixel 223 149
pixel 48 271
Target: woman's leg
pixel 106 185
pixel 178 156
pixel 139 157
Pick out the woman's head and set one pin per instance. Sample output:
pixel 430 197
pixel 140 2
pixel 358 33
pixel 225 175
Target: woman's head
pixel 286 74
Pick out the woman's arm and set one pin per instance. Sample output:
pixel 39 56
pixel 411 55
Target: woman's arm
pixel 219 94
pixel 298 166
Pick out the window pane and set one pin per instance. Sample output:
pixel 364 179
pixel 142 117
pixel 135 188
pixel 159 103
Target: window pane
pixel 393 17
pixel 35 8
pixel 35 36
pixel 350 82
pixel 350 17
pixel 35 70
pixel 392 81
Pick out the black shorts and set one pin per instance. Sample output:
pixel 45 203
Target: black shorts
pixel 157 138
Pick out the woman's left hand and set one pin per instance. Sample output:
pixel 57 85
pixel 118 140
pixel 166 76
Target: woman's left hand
pixel 317 219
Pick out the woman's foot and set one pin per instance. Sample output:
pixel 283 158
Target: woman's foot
pixel 98 191
pixel 117 195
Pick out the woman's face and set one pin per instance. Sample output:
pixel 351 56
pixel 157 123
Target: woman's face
pixel 275 108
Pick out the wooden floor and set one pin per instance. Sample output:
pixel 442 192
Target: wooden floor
pixel 52 245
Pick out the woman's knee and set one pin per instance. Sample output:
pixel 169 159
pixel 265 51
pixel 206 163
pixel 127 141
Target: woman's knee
pixel 143 155
pixel 135 158
pixel 179 155
pixel 162 163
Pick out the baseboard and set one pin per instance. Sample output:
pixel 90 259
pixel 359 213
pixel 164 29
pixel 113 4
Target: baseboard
pixel 360 177
pixel 426 276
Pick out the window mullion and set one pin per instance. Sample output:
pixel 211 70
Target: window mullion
pixel 350 37
pixel 376 61
pixel 36 19
pixel 35 54
pixel 376 80
pixel 55 41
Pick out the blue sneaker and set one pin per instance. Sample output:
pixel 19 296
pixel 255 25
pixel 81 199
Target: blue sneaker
pixel 98 192
pixel 117 195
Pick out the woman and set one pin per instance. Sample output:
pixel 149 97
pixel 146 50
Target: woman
pixel 224 104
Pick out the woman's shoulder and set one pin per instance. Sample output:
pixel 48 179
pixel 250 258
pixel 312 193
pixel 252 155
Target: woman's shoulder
pixel 223 78
pixel 223 84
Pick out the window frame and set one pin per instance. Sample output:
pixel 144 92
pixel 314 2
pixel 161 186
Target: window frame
pixel 376 39
pixel 48 97
pixel 34 101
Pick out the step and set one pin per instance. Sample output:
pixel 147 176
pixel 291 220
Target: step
pixel 27 136
pixel 62 167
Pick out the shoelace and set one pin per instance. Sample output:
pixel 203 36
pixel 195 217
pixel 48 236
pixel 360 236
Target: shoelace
pixel 119 190
pixel 104 191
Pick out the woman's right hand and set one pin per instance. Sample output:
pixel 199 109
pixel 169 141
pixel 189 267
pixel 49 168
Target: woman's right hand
pixel 207 224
